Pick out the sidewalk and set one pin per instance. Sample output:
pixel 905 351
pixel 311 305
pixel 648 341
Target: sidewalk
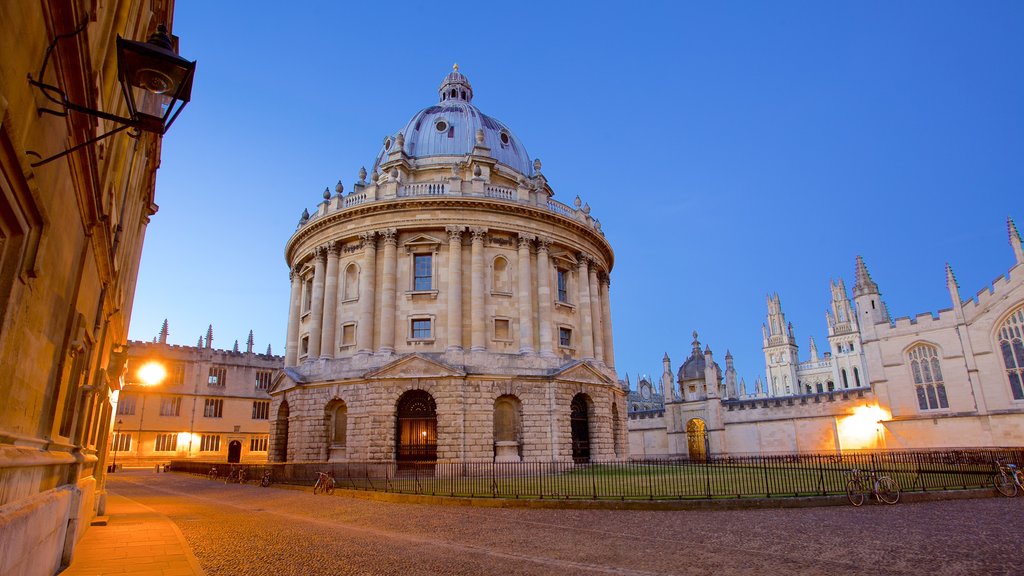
pixel 136 540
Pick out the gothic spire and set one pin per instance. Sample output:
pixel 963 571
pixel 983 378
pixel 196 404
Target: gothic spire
pixel 269 353
pixel 1018 249
pixel 249 343
pixel 235 349
pixel 209 336
pixel 163 333
pixel 864 284
pixel 953 286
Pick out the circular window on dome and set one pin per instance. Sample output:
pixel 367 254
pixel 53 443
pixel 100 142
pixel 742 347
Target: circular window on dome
pixel 504 138
pixel 387 143
pixel 440 126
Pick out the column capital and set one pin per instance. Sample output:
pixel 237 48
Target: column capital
pixel 390 236
pixel 320 253
pixel 454 233
pixel 604 278
pixel 334 248
pixel 584 259
pixel 294 272
pixel 367 239
pixel 543 244
pixel 525 239
pixel 479 234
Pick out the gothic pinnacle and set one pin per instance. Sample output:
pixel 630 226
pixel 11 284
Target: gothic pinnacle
pixel 163 333
pixel 864 283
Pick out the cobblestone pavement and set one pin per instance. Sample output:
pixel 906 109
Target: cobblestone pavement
pixel 274 531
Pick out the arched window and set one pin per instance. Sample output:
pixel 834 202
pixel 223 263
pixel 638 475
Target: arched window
pixel 1011 335
pixel 924 365
pixel 339 425
pixel 499 280
pixel 846 381
pixel 507 429
pixel 351 290
pixel 856 377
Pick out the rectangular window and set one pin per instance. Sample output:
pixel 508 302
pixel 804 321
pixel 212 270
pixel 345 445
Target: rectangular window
pixel 170 406
pixel 565 337
pixel 348 335
pixel 304 346
pixel 563 285
pixel 176 374
pixel 423 272
pixel 166 443
pixel 421 328
pixel 263 378
pixel 260 410
pixel 307 295
pixel 210 443
pixel 121 442
pixel 258 444
pixel 501 329
pixel 218 376
pixel 214 408
pixel 126 405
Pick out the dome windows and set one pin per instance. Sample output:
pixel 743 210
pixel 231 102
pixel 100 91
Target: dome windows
pixel 387 143
pixel 441 126
pixel 504 138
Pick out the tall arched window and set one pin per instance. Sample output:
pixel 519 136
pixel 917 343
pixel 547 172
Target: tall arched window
pixel 924 365
pixel 499 280
pixel 1011 344
pixel 856 377
pixel 846 381
pixel 351 289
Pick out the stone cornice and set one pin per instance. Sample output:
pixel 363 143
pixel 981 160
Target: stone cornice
pixel 420 204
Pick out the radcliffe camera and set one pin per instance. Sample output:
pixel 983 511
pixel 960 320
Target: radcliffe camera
pixel 741 318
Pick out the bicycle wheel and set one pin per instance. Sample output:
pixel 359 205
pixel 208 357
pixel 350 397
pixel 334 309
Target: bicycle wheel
pixel 855 492
pixel 1004 484
pixel 329 488
pixel 318 487
pixel 1019 479
pixel 212 475
pixel 265 481
pixel 888 490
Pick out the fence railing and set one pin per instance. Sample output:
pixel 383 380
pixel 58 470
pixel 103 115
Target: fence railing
pixel 762 476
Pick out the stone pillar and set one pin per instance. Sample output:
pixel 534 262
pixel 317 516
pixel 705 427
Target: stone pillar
pixel 595 314
pixel 387 293
pixel 454 288
pixel 316 309
pixel 606 320
pixel 291 348
pixel 367 277
pixel 327 348
pixel 586 328
pixel 544 297
pixel 525 296
pixel 479 325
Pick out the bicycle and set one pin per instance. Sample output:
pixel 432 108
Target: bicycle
pixel 1008 478
pixel 324 483
pixel 212 474
pixel 265 481
pixel 883 488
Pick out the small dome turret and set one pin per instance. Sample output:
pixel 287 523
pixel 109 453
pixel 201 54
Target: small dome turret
pixel 455 86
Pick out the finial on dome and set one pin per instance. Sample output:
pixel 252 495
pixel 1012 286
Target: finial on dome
pixel 455 67
pixel 536 165
pixel 339 188
pixel 455 86
pixel 327 193
pixel 362 174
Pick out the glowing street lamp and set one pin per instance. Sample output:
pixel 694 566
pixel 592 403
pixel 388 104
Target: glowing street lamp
pixel 151 373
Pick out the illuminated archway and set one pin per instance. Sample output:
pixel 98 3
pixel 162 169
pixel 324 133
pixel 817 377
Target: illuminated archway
pixel 416 428
pixel 697 439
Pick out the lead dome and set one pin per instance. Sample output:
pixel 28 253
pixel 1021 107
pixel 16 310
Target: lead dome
pixel 449 128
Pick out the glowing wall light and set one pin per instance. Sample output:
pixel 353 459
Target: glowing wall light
pixel 863 429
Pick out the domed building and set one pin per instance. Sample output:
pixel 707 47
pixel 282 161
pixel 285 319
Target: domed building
pixel 447 308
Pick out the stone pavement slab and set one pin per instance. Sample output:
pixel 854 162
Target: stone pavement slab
pixel 137 540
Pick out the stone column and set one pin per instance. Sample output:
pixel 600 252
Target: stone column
pixel 316 309
pixel 544 297
pixel 387 293
pixel 327 348
pixel 595 314
pixel 454 288
pixel 479 325
pixel 606 320
pixel 367 277
pixel 586 328
pixel 525 296
pixel 291 353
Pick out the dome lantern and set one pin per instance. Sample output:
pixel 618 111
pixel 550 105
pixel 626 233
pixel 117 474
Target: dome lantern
pixel 455 86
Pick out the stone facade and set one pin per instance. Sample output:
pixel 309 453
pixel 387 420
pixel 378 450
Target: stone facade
pixel 71 234
pixel 452 271
pixel 954 378
pixel 212 405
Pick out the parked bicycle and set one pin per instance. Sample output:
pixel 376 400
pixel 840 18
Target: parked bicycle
pixel 212 474
pixel 265 481
pixel 235 474
pixel 883 488
pixel 324 483
pixel 1008 479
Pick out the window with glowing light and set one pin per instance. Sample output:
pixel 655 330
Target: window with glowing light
pixel 170 406
pixel 121 442
pixel 210 443
pixel 166 443
pixel 924 365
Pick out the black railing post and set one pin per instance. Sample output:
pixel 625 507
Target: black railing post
pixel 764 470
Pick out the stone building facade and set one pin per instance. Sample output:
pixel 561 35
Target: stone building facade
pixel 448 308
pixel 954 378
pixel 71 234
pixel 212 405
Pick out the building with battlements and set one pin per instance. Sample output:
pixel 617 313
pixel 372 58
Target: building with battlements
pixel 448 308
pixel 212 404
pixel 954 378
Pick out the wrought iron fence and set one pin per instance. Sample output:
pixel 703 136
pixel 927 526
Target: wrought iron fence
pixel 760 476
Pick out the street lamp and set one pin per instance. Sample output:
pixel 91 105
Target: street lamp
pixel 155 81
pixel 117 440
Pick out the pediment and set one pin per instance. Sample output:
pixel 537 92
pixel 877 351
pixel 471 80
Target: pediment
pixel 563 259
pixel 415 366
pixel 582 372
pixel 421 242
pixel 284 379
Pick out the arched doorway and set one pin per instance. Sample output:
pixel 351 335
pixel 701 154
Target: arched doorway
pixel 416 428
pixel 279 449
pixel 579 421
pixel 697 439
pixel 234 452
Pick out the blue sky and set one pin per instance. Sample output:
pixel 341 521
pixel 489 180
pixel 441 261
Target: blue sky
pixel 730 149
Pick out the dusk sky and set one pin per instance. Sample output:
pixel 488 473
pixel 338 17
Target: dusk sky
pixel 729 149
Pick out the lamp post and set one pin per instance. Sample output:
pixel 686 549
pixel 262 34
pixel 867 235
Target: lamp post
pixel 117 440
